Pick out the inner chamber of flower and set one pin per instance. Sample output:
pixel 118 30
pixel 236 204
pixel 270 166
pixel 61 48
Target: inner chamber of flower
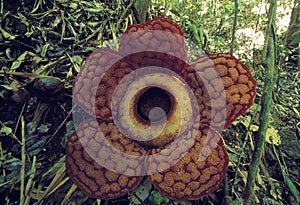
pixel 153 104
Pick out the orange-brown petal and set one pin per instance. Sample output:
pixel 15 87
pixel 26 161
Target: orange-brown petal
pixel 96 81
pixel 198 173
pixel 159 23
pixel 224 88
pixel 159 42
pixel 83 149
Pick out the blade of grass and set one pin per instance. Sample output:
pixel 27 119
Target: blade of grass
pixel 67 196
pixel 30 184
pixel 57 181
pixel 23 158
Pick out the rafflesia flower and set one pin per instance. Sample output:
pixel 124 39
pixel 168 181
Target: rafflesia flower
pixel 153 114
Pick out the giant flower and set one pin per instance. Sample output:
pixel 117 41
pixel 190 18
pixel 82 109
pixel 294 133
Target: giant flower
pixel 152 113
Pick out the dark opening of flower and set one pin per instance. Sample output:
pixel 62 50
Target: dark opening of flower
pixel 153 104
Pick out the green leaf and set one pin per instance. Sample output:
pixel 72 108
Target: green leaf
pixel 292 188
pixel 43 129
pixel 69 128
pixel 175 12
pixel 31 127
pixel 156 198
pixel 183 203
pixel 142 192
pixel 272 136
pixel 73 5
pixel 233 202
pixel 7 87
pixel 233 157
pixel 296 39
pixel 22 56
pixel 16 64
pixel 5 130
pixel 77 61
pixel 7 35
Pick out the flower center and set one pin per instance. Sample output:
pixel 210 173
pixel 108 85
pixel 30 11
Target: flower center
pixel 153 104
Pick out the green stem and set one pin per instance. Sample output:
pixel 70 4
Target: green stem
pixel 266 104
pixel 236 12
pixel 142 8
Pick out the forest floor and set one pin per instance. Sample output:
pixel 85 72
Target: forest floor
pixel 45 40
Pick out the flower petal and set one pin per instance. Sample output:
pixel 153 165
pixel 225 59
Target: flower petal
pixel 159 42
pixel 198 173
pixel 85 146
pixel 159 23
pixel 224 88
pixel 96 81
